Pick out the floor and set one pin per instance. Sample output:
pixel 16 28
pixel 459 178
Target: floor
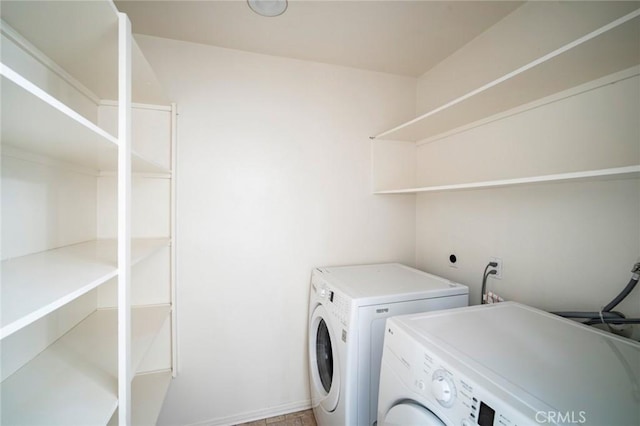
pixel 300 418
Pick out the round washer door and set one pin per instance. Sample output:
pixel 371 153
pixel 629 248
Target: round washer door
pixel 323 361
pixel 410 413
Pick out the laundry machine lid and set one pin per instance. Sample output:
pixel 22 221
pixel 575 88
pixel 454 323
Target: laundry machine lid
pixel 389 282
pixel 540 358
pixel 411 413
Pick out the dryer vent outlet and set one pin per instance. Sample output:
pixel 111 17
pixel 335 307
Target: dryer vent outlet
pixel 453 260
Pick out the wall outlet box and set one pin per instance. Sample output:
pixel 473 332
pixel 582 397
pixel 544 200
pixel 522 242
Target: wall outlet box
pixel 453 259
pixel 498 274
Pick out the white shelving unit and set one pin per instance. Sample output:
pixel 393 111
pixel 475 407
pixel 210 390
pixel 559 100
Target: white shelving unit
pixel 69 230
pixel 604 56
pixel 82 365
pixel 36 285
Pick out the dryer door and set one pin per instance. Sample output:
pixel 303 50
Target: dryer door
pixel 410 413
pixel 323 361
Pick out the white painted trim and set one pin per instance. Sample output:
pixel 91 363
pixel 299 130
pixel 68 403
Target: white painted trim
pixel 17 153
pixel 256 415
pixel 125 368
pixel 556 97
pixel 612 173
pixel 137 105
pixel 39 56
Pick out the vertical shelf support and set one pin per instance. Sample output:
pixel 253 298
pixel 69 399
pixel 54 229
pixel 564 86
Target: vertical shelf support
pixel 173 262
pixel 125 373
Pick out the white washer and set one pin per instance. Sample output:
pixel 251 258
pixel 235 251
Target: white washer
pixel 348 307
pixel 506 364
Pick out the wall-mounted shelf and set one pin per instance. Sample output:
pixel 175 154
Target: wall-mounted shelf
pixel 74 381
pixel 37 284
pixel 611 48
pixel 590 175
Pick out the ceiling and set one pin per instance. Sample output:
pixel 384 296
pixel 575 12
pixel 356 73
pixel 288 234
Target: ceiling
pixel 397 37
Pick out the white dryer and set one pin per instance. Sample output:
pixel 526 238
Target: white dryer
pixel 348 307
pixel 506 364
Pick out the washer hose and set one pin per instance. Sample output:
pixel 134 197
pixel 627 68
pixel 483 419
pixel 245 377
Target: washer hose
pixel 485 275
pixel 606 315
pixel 624 293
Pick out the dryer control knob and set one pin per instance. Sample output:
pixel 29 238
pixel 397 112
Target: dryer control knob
pixel 443 388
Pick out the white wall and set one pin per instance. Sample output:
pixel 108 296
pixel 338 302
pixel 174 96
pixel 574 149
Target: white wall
pixel 274 179
pixel 563 246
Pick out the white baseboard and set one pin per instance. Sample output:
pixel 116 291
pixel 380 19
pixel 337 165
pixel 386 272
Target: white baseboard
pixel 256 415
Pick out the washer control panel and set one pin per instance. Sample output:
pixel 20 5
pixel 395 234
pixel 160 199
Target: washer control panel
pixel 441 387
pixel 333 300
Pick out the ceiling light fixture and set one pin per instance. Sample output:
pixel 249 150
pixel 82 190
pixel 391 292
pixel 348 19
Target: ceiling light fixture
pixel 268 8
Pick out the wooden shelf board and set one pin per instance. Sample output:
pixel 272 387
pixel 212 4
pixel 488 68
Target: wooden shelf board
pixel 74 381
pixel 35 285
pixel 601 174
pixel 38 123
pixel 605 51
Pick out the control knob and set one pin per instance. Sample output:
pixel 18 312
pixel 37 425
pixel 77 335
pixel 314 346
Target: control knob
pixel 443 388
